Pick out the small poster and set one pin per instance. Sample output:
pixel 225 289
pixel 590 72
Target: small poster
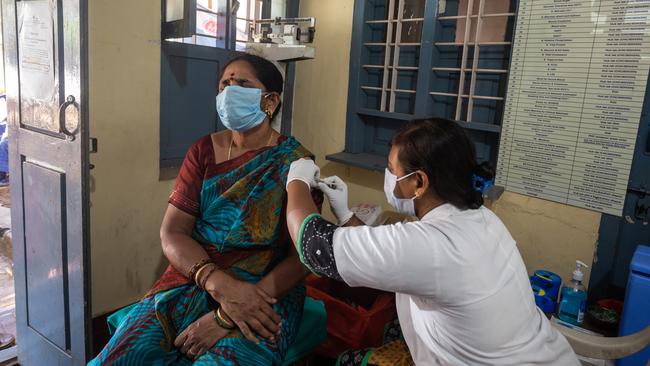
pixel 36 50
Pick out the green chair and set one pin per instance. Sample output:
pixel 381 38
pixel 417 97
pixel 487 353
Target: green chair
pixel 311 333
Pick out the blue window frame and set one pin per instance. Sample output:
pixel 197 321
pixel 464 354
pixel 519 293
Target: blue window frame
pixel 416 59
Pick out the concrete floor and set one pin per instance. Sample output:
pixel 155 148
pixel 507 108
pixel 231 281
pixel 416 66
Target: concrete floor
pixel 7 295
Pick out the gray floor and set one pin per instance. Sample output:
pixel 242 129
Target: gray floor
pixel 7 295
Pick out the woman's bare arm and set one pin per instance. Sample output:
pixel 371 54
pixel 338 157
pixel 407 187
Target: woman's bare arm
pixel 246 304
pixel 284 276
pixel 299 205
pixel 176 237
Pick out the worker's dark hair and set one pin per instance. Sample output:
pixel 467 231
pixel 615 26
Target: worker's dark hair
pixel 264 70
pixel 442 149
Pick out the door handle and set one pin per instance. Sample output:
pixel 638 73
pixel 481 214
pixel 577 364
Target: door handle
pixel 69 101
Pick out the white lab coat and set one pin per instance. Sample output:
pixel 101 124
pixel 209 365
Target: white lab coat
pixel 463 294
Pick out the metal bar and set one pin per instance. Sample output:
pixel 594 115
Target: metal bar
pixel 484 71
pixel 384 21
pixel 477 52
pixel 398 67
pixel 485 97
pixel 370 87
pixel 482 97
pixel 398 38
pixel 456 69
pixel 492 71
pixel 463 62
pixel 389 32
pixel 409 91
pixel 392 43
pixel 444 94
pixel 454 17
pixel 472 43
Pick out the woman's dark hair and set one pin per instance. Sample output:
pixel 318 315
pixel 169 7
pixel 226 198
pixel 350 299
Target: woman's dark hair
pixel 442 149
pixel 264 70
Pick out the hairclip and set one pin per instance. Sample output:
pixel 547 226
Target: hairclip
pixel 481 184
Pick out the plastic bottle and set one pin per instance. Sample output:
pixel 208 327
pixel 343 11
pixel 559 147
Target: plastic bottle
pixel 573 300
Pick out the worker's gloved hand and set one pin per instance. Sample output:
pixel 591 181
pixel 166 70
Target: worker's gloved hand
pixel 336 192
pixel 304 170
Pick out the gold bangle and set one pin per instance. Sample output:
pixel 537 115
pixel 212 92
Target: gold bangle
pixel 197 266
pixel 197 275
pixel 221 321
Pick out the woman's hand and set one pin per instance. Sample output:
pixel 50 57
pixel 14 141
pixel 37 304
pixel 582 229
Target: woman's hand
pixel 200 336
pixel 304 170
pixel 248 306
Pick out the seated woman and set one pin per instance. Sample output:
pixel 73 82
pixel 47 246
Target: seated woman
pixel 233 292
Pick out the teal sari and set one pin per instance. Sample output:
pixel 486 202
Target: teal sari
pixel 240 222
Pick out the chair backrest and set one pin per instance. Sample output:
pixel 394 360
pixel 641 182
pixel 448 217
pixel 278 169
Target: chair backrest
pixel 605 348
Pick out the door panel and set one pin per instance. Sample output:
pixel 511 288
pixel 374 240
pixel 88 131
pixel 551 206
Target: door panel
pixel 47 283
pixel 46 84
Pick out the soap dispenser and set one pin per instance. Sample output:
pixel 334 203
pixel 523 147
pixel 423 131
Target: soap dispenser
pixel 573 300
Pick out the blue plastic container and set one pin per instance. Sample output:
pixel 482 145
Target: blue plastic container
pixel 543 301
pixel 636 309
pixel 547 280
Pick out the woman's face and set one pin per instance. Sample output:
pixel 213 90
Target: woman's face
pixel 406 187
pixel 242 74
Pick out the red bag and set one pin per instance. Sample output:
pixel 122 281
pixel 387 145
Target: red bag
pixel 356 317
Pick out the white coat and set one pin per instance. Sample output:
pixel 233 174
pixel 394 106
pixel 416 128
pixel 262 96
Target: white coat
pixel 463 293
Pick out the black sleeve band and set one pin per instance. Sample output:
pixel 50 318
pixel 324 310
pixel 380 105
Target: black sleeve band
pixel 315 247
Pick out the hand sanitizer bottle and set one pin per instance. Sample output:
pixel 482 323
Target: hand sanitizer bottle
pixel 573 300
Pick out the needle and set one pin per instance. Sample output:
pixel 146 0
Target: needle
pixel 331 185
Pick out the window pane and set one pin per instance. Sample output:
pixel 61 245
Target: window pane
pixel 376 32
pixel 413 9
pixel 409 56
pixel 210 5
pixel 407 79
pixel 174 10
pixel 372 77
pixel 411 32
pixel 445 82
pixel 376 10
pixel 374 55
pixel 404 102
pixel 370 99
pixel 206 23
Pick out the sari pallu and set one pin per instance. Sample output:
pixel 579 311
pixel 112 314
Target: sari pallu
pixel 240 222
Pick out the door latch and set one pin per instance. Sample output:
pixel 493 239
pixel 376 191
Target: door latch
pixel 93 145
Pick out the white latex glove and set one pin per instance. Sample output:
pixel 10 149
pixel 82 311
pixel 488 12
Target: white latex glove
pixel 338 198
pixel 304 170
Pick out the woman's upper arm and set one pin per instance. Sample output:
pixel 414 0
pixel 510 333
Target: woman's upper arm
pixel 176 221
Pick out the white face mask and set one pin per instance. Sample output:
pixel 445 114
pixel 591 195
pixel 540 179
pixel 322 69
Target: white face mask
pixel 402 205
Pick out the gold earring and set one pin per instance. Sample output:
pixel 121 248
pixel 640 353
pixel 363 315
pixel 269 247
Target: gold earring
pixel 269 113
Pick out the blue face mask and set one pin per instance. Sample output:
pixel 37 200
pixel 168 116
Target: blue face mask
pixel 239 108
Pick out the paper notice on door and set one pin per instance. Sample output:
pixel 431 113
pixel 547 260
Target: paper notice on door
pixel 36 50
